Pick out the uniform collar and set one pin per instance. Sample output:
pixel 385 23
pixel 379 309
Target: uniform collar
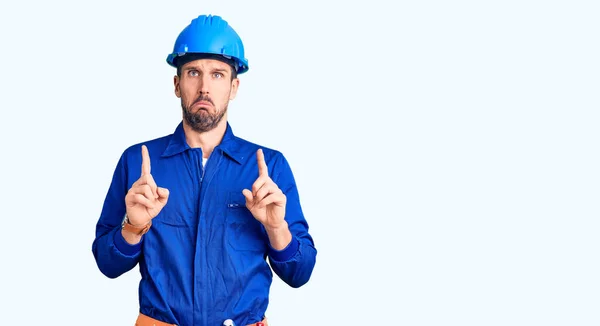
pixel 230 144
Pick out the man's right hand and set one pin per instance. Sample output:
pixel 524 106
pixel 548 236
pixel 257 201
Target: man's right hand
pixel 145 199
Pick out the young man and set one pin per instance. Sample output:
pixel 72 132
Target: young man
pixel 200 210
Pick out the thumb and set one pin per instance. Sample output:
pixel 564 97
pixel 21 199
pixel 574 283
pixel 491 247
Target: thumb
pixel 163 195
pixel 249 198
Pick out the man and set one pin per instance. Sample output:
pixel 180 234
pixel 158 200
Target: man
pixel 201 210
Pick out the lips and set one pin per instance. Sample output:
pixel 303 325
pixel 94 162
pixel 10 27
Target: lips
pixel 202 104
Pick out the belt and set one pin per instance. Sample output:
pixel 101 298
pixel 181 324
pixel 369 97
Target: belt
pixel 144 320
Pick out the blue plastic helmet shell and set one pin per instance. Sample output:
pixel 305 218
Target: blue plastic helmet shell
pixel 210 34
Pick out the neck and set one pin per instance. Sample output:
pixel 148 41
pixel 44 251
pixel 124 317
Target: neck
pixel 207 140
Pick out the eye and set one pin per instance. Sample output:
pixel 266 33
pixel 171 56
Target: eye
pixel 218 75
pixel 193 73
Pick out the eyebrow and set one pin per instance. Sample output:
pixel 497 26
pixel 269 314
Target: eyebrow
pixel 221 70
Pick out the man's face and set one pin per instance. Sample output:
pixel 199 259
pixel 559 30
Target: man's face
pixel 205 88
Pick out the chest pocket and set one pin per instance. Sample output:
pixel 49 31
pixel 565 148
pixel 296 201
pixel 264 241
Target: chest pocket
pixel 180 211
pixel 243 231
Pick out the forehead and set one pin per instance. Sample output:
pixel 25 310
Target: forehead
pixel 206 64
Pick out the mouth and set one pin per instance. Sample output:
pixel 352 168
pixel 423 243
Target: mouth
pixel 203 105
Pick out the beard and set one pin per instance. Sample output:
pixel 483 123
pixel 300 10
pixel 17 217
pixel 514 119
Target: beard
pixel 202 120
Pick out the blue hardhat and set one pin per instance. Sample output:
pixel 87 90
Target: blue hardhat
pixel 210 34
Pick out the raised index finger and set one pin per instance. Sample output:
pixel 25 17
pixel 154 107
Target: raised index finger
pixel 145 160
pixel 262 165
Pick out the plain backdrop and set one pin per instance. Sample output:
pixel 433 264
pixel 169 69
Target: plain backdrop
pixel 446 152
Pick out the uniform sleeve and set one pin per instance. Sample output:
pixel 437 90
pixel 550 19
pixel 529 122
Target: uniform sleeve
pixel 114 256
pixel 295 263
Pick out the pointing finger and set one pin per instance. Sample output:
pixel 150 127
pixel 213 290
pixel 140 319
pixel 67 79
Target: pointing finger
pixel 145 160
pixel 262 165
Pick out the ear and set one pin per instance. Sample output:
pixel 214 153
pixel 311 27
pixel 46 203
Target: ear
pixel 176 84
pixel 235 84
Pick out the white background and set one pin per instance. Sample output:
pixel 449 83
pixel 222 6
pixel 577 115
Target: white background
pixel 446 152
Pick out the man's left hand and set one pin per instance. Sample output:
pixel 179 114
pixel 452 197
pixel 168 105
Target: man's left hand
pixel 266 201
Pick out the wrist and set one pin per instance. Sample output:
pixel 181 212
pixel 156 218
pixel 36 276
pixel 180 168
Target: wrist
pixel 130 237
pixel 128 244
pixel 136 223
pixel 280 236
pixel 134 231
pixel 283 226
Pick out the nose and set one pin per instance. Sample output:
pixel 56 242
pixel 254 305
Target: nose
pixel 204 85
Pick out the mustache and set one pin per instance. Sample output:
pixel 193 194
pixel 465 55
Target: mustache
pixel 204 98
